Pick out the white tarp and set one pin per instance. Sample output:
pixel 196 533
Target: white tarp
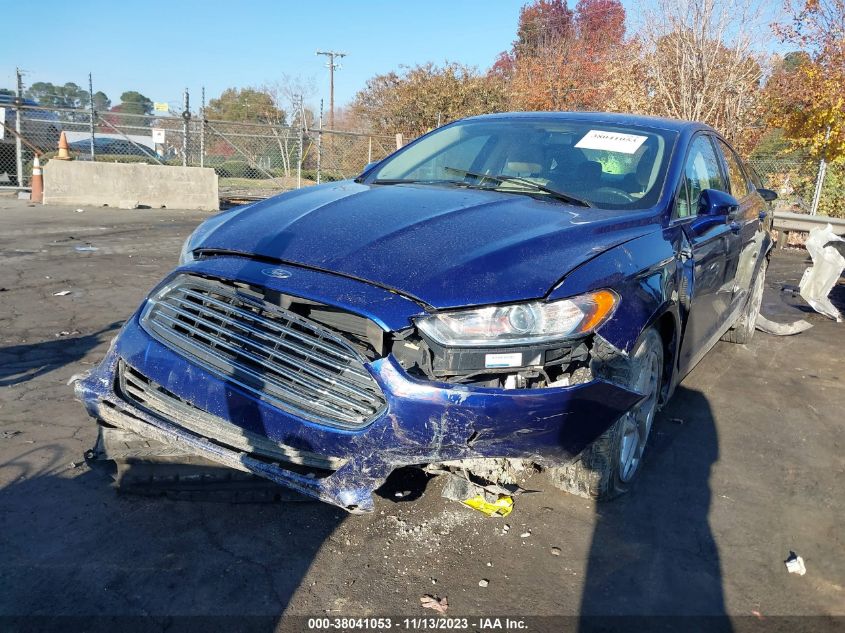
pixel 819 279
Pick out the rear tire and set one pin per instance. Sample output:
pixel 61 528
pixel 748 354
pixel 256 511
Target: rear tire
pixel 743 330
pixel 608 466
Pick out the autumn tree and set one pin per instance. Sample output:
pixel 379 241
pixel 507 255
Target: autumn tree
pixel 562 59
pixel 417 99
pixel 806 94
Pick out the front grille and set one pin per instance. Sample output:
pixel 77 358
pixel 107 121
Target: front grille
pixel 276 355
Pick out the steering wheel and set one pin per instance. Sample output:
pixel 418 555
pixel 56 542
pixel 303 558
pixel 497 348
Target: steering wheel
pixel 614 192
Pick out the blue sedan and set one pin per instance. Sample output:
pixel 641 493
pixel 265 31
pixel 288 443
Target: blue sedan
pixel 507 290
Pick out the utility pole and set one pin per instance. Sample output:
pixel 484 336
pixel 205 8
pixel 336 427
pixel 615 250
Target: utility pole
pixel 331 65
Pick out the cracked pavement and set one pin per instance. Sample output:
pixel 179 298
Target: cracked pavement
pixel 746 464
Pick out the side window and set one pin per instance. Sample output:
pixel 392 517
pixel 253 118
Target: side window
pixel 736 175
pixel 702 170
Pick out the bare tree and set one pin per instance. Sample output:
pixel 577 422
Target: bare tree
pixel 702 62
pixel 289 94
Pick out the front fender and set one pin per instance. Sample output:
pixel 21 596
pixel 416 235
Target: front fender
pixel 645 272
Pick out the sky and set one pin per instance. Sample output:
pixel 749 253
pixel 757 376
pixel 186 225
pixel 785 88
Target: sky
pixel 162 47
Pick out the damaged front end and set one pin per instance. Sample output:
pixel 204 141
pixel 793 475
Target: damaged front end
pixel 328 394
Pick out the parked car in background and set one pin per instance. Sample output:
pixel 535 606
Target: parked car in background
pixel 104 146
pixel 41 129
pixel 506 290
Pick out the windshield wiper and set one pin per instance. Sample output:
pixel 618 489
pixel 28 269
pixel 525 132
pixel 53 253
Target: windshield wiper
pixel 560 195
pixel 416 181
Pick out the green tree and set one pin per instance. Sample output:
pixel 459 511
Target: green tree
pixel 70 95
pixel 101 101
pixel 133 102
pixel 246 104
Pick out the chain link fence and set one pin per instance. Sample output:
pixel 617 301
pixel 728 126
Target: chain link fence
pixel 251 159
pixel 255 160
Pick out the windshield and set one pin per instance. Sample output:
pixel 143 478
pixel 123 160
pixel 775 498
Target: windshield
pixel 593 163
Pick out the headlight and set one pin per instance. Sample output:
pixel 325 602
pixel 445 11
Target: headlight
pixel 521 324
pixel 201 232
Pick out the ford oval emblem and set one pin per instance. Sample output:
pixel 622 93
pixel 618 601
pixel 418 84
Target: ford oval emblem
pixel 278 273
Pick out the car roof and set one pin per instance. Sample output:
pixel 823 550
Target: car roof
pixel 613 118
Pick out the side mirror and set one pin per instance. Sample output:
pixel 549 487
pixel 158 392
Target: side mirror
pixel 715 202
pixel 767 194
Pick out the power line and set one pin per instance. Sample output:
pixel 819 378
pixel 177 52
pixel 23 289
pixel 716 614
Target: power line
pixel 331 66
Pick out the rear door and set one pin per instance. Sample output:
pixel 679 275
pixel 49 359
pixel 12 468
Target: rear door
pixel 713 251
pixel 746 223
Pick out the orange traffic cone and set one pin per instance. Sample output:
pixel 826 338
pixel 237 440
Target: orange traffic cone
pixel 64 153
pixel 37 193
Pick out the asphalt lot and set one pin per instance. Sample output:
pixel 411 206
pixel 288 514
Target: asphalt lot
pixel 747 464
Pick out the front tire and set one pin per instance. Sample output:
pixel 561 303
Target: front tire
pixel 608 466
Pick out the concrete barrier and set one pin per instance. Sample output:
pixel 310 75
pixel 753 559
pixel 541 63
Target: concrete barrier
pixel 130 185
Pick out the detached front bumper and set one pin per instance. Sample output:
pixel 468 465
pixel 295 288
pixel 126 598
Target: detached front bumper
pixel 424 422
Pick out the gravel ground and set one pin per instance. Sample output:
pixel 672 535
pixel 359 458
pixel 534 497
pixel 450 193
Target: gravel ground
pixel 746 465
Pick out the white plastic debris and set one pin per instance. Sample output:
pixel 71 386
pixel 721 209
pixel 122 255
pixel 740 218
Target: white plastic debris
pixel 819 279
pixel 61 293
pixel 483 582
pixel 795 564
pixel 781 329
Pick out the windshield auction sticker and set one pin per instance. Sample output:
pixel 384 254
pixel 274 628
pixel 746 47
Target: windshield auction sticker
pixel 611 141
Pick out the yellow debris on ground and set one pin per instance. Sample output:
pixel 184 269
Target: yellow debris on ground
pixel 500 508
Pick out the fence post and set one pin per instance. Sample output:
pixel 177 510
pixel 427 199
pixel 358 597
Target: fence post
pixel 370 150
pixel 18 146
pixel 817 194
pixel 202 130
pixel 399 141
pixel 91 113
pixel 186 119
pixel 320 143
pixel 299 145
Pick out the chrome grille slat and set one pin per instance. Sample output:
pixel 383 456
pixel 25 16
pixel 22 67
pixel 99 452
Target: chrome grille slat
pixel 289 361
pixel 256 359
pixel 233 373
pixel 203 315
pixel 279 328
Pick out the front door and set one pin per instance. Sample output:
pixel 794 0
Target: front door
pixel 714 250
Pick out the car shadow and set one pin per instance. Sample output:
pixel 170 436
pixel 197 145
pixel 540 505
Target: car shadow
pixel 76 553
pixel 653 560
pixel 21 363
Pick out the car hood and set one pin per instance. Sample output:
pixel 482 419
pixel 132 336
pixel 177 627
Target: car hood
pixel 442 246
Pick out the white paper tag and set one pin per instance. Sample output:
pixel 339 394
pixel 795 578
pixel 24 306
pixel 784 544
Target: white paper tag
pixel 611 141
pixel 503 360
